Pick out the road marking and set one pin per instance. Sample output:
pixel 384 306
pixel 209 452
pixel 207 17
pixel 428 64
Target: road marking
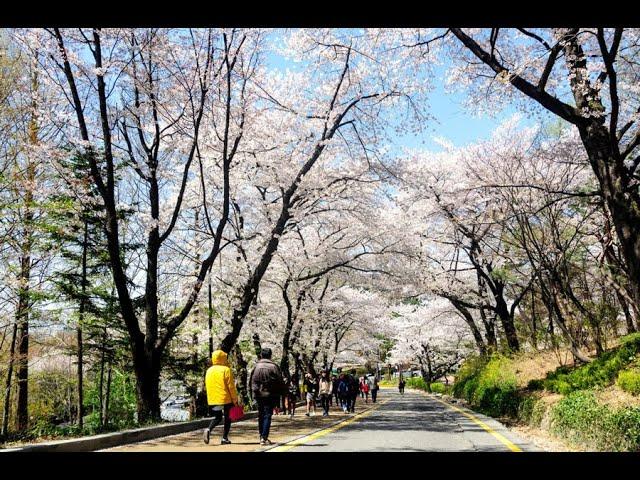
pixel 512 446
pixel 321 433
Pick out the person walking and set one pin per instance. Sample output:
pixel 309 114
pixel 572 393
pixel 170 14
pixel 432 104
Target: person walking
pixel 343 392
pixel 325 387
pixel 292 395
pixel 267 385
pixel 374 388
pixel 335 381
pixel 354 389
pixel 311 387
pixel 401 385
pixel 364 388
pixel 221 395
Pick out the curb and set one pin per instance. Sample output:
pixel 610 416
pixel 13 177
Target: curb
pixel 116 439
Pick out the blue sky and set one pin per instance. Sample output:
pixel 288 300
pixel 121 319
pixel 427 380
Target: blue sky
pixel 451 119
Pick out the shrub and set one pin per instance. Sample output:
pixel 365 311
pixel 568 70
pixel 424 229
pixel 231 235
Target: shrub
pixel 438 387
pixel 466 379
pixel 489 385
pixel 581 419
pixel 600 372
pixel 416 382
pixel 629 381
pixel 535 384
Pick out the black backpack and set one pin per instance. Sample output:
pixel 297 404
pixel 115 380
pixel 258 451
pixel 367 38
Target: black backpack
pixel 343 387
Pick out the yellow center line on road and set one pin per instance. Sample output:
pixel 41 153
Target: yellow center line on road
pixel 321 433
pixel 510 445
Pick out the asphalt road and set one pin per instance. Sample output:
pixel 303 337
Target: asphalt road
pixel 412 422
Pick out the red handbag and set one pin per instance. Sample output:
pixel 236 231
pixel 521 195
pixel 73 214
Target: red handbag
pixel 236 413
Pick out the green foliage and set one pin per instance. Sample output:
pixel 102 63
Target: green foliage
pixel 419 384
pixel 490 386
pixel 51 398
pixel 582 420
pixel 122 401
pixel 437 387
pixel 629 381
pixel 466 378
pixel 532 409
pixel 600 372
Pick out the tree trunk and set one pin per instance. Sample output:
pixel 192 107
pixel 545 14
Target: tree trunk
pixel 81 309
pixel 101 380
pixel 507 323
pixel 148 390
pixel 242 375
pixel 489 324
pixel 627 313
pixel 210 318
pixel 7 394
pixel 257 346
pixel 105 406
pixel 468 318
pixel 22 317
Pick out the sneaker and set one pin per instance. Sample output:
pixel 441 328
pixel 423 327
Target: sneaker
pixel 225 441
pixel 267 442
pixel 262 441
pixel 291 416
pixel 307 414
pixel 205 436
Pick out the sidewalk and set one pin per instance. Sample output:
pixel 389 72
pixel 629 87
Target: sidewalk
pixel 244 435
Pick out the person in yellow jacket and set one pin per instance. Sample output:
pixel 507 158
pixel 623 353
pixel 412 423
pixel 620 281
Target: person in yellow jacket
pixel 221 394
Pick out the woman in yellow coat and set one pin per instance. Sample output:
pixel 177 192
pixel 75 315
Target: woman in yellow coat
pixel 221 394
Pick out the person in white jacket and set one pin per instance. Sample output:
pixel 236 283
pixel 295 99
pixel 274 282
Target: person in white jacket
pixel 325 388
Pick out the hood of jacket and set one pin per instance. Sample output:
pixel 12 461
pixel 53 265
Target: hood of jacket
pixel 219 358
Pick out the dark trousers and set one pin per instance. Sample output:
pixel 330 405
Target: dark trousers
pixel 217 418
pixel 265 411
pixel 374 394
pixel 324 400
pixel 353 402
pixel 291 403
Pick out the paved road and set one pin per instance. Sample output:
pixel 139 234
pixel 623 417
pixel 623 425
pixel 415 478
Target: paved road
pixel 412 422
pixel 402 423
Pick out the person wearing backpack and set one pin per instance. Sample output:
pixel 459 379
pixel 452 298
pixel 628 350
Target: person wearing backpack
pixel 221 395
pixel 335 381
pixel 343 392
pixel 354 389
pixel 267 385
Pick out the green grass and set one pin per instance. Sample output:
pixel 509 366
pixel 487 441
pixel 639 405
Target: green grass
pixel 419 384
pixel 629 381
pixel 489 386
pixel 600 372
pixel 580 419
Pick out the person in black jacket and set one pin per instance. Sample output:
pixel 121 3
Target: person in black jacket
pixel 267 385
pixel 334 389
pixel 354 390
pixel 311 384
